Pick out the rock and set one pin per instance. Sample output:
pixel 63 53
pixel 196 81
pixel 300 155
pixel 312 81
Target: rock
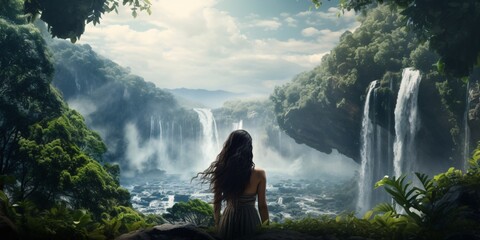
pixel 190 231
pixel 357 238
pixel 8 231
pixel 170 232
pixel 277 234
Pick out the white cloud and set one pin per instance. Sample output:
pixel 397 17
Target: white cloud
pixel 304 13
pixel 268 25
pixel 291 21
pixel 310 31
pixel 196 45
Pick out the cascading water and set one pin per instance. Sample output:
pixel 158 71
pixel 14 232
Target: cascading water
pixel 181 136
pixel 407 122
pixel 160 127
pixel 152 125
pixel 367 153
pixel 162 156
pixel 237 125
pixel 209 140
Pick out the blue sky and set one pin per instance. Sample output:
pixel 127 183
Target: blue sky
pixel 243 46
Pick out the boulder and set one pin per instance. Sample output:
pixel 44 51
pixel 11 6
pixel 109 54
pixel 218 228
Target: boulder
pixel 169 232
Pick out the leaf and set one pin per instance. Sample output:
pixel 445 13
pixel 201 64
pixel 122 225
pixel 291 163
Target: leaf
pixel 368 215
pixel 384 208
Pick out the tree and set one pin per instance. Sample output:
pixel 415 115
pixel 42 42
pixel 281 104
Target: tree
pixel 194 211
pixel 450 27
pixel 67 19
pixel 25 90
pixel 55 162
pixel 11 10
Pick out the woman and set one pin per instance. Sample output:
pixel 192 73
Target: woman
pixel 234 179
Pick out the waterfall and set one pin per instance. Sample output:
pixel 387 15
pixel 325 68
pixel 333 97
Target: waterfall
pixel 209 140
pixel 160 127
pixel 172 131
pixel 152 125
pixel 466 129
pixel 406 122
pixel 163 159
pixel 77 83
pixel 367 154
pixel 237 125
pixel 181 136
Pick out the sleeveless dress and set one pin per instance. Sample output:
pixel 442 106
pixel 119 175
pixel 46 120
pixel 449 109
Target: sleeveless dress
pixel 240 218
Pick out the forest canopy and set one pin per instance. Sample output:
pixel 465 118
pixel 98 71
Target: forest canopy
pixel 449 27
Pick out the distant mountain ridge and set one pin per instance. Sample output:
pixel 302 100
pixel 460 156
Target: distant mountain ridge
pixel 203 97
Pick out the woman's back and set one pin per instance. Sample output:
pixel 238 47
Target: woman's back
pixel 240 217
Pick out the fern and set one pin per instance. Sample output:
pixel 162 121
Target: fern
pixel 403 194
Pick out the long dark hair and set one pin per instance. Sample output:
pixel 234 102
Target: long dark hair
pixel 230 173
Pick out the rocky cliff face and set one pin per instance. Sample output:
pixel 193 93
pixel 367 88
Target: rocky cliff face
pixel 326 126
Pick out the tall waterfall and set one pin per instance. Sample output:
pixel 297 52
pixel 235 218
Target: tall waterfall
pixel 209 140
pixel 406 122
pixel 152 126
pixel 367 154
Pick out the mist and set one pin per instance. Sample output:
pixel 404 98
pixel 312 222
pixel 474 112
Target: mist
pixel 196 154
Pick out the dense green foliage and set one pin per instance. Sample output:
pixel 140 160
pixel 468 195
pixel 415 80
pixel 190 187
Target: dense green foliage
pixel 52 182
pixel 194 211
pixel 56 163
pixel 450 27
pixel 62 222
pixel 67 19
pixel 47 150
pixel 26 94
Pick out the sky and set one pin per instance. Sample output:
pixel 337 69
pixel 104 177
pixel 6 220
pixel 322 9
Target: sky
pixel 241 46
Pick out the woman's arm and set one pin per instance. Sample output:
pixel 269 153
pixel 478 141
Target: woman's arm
pixel 262 201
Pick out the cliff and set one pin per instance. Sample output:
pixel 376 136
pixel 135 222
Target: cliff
pixel 130 114
pixel 323 107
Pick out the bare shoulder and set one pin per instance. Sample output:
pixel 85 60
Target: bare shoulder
pixel 260 173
